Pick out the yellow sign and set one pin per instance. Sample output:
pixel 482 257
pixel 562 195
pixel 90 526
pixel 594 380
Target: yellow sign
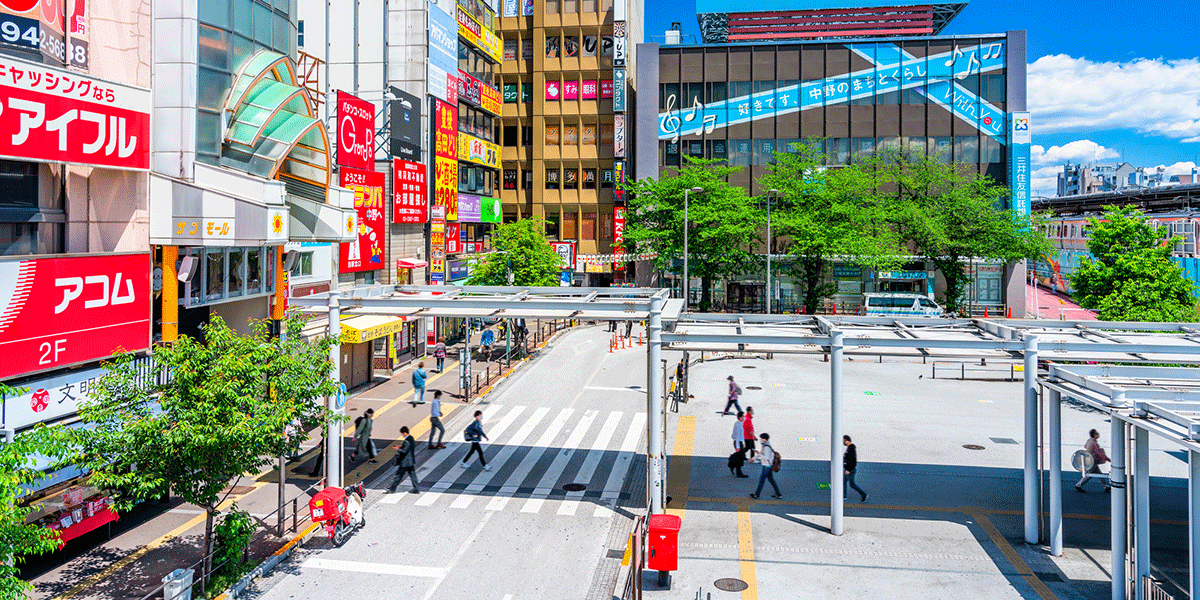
pixel 365 329
pixel 479 36
pixel 480 152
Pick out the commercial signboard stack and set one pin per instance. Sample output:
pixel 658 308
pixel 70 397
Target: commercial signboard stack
pixel 442 73
pixel 620 129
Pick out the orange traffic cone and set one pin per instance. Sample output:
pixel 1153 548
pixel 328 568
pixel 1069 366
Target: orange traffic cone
pixel 1010 312
pixel 639 338
pixel 985 312
pixel 835 308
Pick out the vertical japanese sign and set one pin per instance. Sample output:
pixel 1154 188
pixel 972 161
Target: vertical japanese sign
pixel 442 75
pixel 366 254
pixel 453 237
pixel 445 155
pixel 511 7
pixel 618 136
pixel 356 132
pixel 618 230
pixel 55 115
pixel 618 90
pixel 619 180
pixel 1020 138
pixel 410 193
pixel 57 312
pixel 619 44
pixel 437 245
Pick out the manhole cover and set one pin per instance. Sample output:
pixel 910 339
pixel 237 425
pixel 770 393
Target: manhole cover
pixel 753 387
pixel 972 446
pixel 749 367
pixel 616 553
pixel 574 487
pixel 730 584
pixel 1005 441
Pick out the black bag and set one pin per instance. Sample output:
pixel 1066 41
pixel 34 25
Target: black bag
pixel 736 460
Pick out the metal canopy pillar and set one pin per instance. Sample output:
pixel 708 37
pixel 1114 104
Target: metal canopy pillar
pixel 836 487
pixel 1141 507
pixel 1194 522
pixel 1031 441
pixel 333 434
pixel 1054 399
pixel 655 409
pixel 1116 479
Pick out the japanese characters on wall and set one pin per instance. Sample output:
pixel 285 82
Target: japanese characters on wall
pixel 410 200
pixel 1020 138
pixel 442 75
pixel 355 132
pixel 366 254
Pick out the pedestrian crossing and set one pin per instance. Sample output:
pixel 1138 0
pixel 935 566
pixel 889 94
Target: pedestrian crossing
pixel 533 453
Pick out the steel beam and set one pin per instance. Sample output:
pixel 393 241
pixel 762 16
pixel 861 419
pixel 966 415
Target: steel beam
pixel 1031 440
pixel 836 411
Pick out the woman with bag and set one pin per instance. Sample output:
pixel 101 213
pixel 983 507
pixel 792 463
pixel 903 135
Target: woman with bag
pixel 766 458
pixel 738 458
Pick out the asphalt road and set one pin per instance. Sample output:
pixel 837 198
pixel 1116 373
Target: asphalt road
pixel 574 414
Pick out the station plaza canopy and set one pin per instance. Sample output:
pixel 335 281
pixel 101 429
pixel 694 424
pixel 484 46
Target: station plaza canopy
pixel 1110 366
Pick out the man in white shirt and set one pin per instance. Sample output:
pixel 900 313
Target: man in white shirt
pixel 435 421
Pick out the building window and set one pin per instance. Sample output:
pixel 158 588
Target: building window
pixel 552 179
pixel 570 179
pixel 226 273
pixel 303 267
pixel 552 225
pixel 510 136
pixel 526 135
pixel 589 179
pixel 588 232
pixel 526 179
pixel 300 33
pixel 31 222
pixel 570 218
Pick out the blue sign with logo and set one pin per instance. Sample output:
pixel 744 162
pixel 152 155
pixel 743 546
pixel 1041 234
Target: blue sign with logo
pixel 1020 138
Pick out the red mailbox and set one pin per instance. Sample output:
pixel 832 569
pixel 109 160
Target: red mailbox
pixel 663 545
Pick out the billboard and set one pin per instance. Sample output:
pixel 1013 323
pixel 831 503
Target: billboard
pixel 54 115
pixel 1020 138
pixel 489 210
pixel 618 136
pixel 618 230
pixel 57 397
pixel 356 132
pixel 366 254
pixel 479 36
pixel 478 93
pixel 445 166
pixel 58 312
pixel 437 245
pixel 442 75
pixel 35 25
pixel 565 251
pixel 618 44
pixel 469 207
pixel 618 90
pixel 405 125
pixel 410 192
pixel 478 151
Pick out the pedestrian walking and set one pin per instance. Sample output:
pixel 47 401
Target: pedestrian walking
pixel 439 352
pixel 362 433
pixel 739 439
pixel 629 329
pixel 474 434
pixel 319 467
pixel 418 381
pixel 767 458
pixel 1092 445
pixel 735 390
pixel 612 326
pixel 435 421
pixel 486 341
pixel 748 429
pixel 406 462
pixel 850 466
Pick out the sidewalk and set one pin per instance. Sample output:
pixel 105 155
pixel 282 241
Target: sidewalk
pixel 153 540
pixel 1045 304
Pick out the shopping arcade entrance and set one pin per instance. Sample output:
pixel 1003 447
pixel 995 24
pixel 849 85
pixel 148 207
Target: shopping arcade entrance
pixel 967 339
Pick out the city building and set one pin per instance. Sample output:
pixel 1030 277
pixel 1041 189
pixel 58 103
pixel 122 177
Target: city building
pixel 958 97
pixel 568 77
pixel 1097 177
pixel 77 273
pixel 723 21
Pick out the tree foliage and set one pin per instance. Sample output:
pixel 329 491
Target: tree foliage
pixel 949 214
pixel 1130 276
pixel 824 214
pixel 222 415
pixel 17 539
pixel 724 222
pixel 523 251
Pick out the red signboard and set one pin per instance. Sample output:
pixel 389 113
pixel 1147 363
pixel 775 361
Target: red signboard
pixel 445 150
pixel 453 244
pixel 410 193
pixel 367 253
pixel 54 115
pixel 356 132
pixel 618 229
pixel 57 312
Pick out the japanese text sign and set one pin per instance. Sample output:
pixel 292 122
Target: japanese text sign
pixel 570 90
pixel 587 90
pixel 410 193
pixel 56 312
pixel 479 93
pixel 366 254
pixel 606 88
pixel 478 151
pixel 445 130
pixel 356 132
pixel 57 397
pixel 618 229
pixel 618 136
pixel 618 91
pixel 442 74
pixel 53 115
pixel 479 36
pixel 469 207
pixel 453 242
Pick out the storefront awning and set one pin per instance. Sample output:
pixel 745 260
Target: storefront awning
pixel 357 329
pixel 313 221
pixel 410 263
pixel 207 213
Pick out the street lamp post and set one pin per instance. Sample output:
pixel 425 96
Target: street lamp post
pixel 687 288
pixel 770 291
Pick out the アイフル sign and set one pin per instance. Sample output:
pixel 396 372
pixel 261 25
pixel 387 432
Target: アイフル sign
pixel 54 115
pixel 58 312
pixel 366 254
pixel 356 132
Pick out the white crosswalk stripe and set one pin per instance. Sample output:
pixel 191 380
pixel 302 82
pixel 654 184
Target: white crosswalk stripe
pixel 561 435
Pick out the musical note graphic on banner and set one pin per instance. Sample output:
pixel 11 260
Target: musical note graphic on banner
pixel 954 57
pixel 691 116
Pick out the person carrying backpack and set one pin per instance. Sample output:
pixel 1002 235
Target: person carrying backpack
pixel 735 390
pixel 362 434
pixel 771 462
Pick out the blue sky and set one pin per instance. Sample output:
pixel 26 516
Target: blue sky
pixel 1108 80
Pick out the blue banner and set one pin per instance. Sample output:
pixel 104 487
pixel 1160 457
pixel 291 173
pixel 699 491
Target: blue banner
pixel 936 77
pixel 1020 138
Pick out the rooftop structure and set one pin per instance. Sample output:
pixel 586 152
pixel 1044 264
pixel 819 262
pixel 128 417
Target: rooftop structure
pixel 724 21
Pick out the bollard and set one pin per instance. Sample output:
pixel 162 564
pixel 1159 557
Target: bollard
pixel 639 338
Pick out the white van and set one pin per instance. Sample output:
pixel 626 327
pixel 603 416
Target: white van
pixel 899 304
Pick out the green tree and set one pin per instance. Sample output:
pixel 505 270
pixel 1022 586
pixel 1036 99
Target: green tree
pixel 521 249
pixel 18 539
pixel 950 214
pixel 826 213
pixel 221 416
pixel 1130 276
pixel 723 222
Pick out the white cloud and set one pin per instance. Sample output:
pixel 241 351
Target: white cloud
pixel 1151 96
pixel 1191 140
pixel 1045 181
pixel 1077 151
